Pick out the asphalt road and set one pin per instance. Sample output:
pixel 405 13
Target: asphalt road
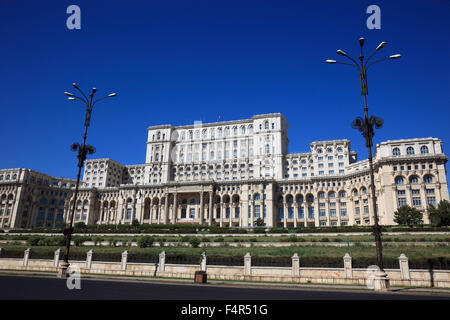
pixel 22 287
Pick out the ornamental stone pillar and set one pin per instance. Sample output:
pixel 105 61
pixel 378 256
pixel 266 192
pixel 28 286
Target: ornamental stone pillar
pixel 123 263
pixel 162 261
pixel 203 262
pixel 90 253
pixel 26 256
pixel 295 265
pixel 247 264
pixel 348 266
pixel 56 258
pixel 404 266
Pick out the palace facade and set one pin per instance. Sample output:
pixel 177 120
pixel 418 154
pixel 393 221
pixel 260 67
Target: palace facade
pixel 230 174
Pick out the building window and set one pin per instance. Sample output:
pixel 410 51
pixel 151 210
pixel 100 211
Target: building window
pixel 428 179
pixel 431 201
pixel 424 150
pixel 416 202
pixel 410 151
pixel 396 151
pixel 401 202
pixel 399 180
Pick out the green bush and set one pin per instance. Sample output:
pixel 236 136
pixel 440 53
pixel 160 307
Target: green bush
pixel 293 239
pixel 34 240
pixel 194 242
pixel 324 240
pixel 145 241
pixel 219 239
pixel 78 241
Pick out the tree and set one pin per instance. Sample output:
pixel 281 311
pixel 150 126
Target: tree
pixel 135 223
pixel 407 215
pixel 440 215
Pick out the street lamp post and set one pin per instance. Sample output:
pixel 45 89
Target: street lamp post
pixel 83 151
pixel 366 126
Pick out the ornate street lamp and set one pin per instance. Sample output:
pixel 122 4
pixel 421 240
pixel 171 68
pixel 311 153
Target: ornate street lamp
pixel 83 151
pixel 366 126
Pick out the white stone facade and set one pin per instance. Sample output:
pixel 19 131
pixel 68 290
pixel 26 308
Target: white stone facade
pixel 230 174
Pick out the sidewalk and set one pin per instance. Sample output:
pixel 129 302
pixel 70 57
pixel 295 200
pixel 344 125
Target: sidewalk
pixel 230 283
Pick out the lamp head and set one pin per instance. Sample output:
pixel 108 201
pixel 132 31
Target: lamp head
pixel 381 46
pixel 112 95
pixel 68 94
pixel 342 53
pixel 75 86
pixel 395 56
pixel 330 61
pixel 71 98
pixel 361 41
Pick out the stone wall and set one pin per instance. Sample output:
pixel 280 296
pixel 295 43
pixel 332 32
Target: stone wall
pixel 294 274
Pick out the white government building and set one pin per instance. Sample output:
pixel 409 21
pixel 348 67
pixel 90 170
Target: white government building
pixel 230 174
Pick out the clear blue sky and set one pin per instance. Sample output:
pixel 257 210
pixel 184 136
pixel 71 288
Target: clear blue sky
pixel 180 61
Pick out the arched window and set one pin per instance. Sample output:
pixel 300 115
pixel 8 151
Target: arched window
pixel 250 129
pixel 266 125
pixel 428 179
pixel 319 150
pixel 191 135
pixel 339 149
pixel 256 196
pixel 410 151
pixel 158 135
pixel 227 131
pixel 414 180
pixel 342 194
pixel 396 152
pixel 424 150
pixel 300 199
pixel 242 130
pixel 331 194
pixel 235 131
pixel 363 191
pixel 267 149
pixel 355 193
pixel 321 194
pixel 192 201
pixel 310 198
pixel 399 180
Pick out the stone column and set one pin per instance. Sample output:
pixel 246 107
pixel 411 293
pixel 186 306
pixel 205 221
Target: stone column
pixel 90 253
pixel 56 258
pixel 295 265
pixel 232 208
pixel 348 266
pixel 316 213
pixel 175 196
pixel 210 211
pixel 123 264
pixel 162 261
pixel 26 256
pixel 202 212
pixel 221 212
pixel 285 213
pixel 166 209
pixel 1 252
pixel 247 264
pixel 404 266
pixel 295 213
pixel 203 262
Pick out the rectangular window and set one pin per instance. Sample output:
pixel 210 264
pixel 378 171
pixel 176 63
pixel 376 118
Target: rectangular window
pixel 416 201
pixel 431 200
pixel 430 191
pixel 290 213
pixel 333 212
pixel 322 212
pixel 310 212
pixel 301 213
pixel 343 212
pixel 281 213
pixel 401 202
pixel 400 192
pixel 257 211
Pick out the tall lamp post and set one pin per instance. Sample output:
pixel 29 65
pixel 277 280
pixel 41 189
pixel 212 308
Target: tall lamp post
pixel 366 126
pixel 83 151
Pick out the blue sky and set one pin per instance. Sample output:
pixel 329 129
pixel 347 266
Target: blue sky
pixel 180 61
